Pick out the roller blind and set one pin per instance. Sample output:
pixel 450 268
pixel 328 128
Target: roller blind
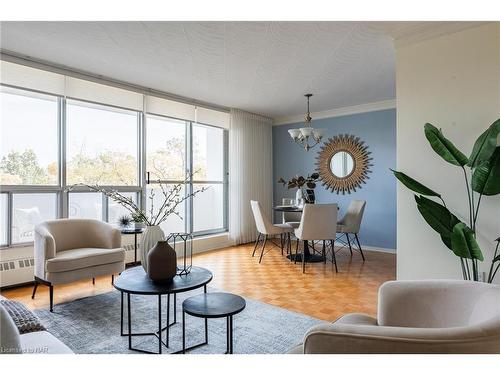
pixel 31 78
pixel 212 117
pixel 95 92
pixel 170 108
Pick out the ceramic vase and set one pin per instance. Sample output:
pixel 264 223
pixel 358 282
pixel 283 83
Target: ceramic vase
pixel 162 263
pixel 299 198
pixel 150 236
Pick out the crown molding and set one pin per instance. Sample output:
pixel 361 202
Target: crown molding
pixel 430 30
pixel 344 111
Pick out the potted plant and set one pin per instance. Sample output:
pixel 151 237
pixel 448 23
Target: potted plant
pixel 481 172
pixel 137 220
pixel 300 182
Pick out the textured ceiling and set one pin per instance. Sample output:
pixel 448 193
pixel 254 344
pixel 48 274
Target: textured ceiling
pixel 262 67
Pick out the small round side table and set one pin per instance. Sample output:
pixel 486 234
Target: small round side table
pixel 211 306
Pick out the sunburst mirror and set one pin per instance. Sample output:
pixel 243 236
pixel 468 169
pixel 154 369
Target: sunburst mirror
pixel 343 163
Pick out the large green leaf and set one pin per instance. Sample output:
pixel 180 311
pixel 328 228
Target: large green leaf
pixel 486 176
pixel 485 145
pixel 443 146
pixel 414 185
pixel 464 244
pixel 438 217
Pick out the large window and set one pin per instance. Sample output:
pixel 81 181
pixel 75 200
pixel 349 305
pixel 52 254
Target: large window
pixel 28 138
pixel 29 210
pixel 52 147
pixel 101 145
pixel 209 168
pixel 174 148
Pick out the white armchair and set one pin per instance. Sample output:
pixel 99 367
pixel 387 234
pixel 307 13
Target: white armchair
pixel 434 316
pixel 68 250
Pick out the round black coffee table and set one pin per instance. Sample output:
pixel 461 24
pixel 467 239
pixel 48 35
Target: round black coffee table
pixel 135 281
pixel 211 306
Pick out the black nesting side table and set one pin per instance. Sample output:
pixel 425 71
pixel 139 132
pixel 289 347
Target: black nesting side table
pixel 135 281
pixel 211 306
pixel 135 232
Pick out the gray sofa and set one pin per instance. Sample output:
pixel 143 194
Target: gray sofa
pixel 12 342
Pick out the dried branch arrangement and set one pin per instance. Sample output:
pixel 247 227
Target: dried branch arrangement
pixel 171 200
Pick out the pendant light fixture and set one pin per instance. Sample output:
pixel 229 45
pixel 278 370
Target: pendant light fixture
pixel 307 137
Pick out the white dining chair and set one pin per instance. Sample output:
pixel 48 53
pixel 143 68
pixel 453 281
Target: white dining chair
pixel 290 218
pixel 318 223
pixel 267 230
pixel 351 223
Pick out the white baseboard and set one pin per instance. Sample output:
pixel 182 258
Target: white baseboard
pixel 379 249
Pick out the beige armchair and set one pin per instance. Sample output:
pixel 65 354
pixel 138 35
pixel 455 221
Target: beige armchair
pixel 435 316
pixel 68 250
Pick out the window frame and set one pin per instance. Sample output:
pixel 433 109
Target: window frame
pixel 60 189
pixel 189 186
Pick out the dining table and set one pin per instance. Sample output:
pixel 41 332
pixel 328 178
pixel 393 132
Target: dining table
pixel 310 257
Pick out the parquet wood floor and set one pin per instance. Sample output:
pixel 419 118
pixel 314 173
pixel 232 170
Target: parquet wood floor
pixel 320 292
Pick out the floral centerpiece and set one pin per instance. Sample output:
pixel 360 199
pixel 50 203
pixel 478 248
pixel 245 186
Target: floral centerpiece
pixel 301 182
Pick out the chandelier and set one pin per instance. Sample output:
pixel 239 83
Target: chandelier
pixel 307 137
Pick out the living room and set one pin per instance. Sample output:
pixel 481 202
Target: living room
pixel 285 185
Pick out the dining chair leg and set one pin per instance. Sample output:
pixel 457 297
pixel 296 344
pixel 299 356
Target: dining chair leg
pixel 359 246
pixel 263 247
pixel 282 243
pixel 349 242
pixel 256 244
pixel 303 260
pixel 289 247
pixel 334 258
pixel 324 252
pixel 296 251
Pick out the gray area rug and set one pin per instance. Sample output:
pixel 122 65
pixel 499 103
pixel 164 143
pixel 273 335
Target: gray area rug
pixel 92 325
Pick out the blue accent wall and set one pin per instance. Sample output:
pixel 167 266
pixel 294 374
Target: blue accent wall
pixel 378 130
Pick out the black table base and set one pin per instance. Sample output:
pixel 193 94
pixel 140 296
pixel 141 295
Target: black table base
pixel 158 334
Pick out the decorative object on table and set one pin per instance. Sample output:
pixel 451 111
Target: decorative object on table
pixel 301 183
pixel 124 221
pixel 162 263
pixel 185 242
pixel 138 221
pixel 172 198
pixel 307 134
pixel 344 163
pixel 482 177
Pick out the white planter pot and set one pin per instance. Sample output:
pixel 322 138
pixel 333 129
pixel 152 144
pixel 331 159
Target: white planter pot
pixel 149 239
pixel 299 198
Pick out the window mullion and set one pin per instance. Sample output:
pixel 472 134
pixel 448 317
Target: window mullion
pixel 189 188
pixel 63 195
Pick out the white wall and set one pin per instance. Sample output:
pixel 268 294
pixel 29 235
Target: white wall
pixel 453 82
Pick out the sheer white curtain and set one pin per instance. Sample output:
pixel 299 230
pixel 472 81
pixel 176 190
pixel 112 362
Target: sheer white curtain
pixel 250 172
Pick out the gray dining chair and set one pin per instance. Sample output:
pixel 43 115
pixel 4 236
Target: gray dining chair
pixel 351 223
pixel 318 223
pixel 267 230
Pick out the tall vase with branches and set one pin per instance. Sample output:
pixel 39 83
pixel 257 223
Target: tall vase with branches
pixel 170 197
pixel 481 171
